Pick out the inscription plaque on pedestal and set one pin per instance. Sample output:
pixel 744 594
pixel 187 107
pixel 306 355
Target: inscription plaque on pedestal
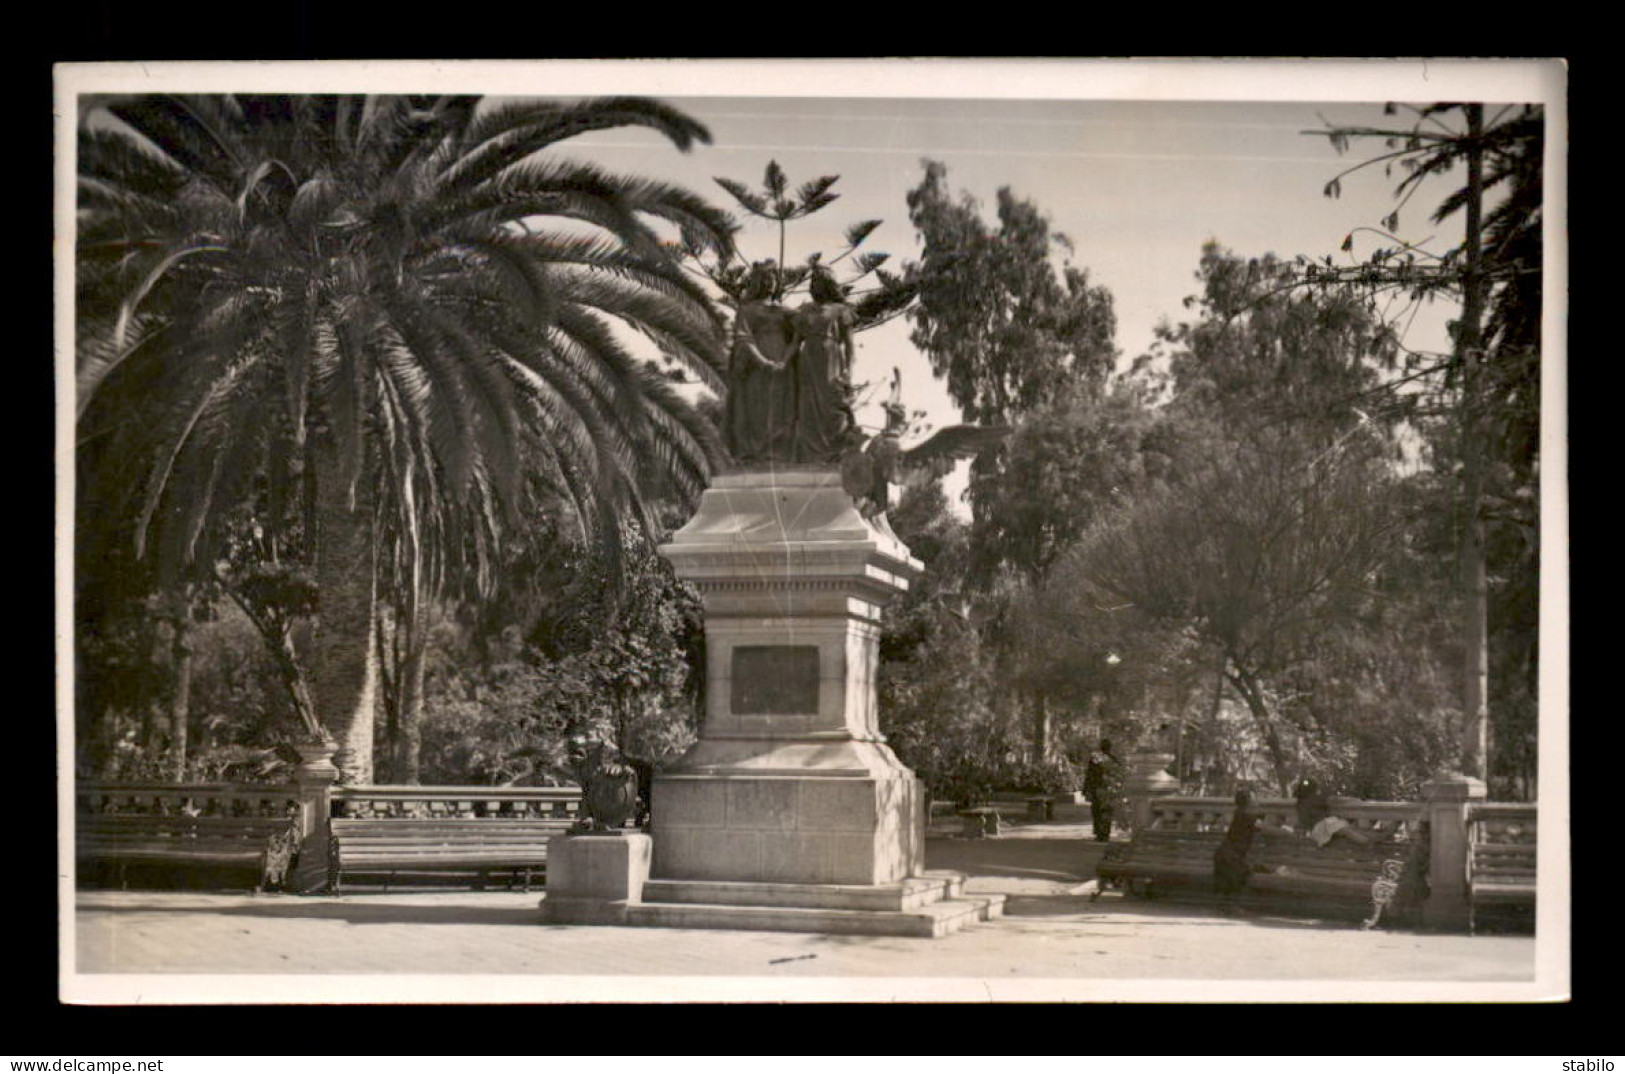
pixel 775 680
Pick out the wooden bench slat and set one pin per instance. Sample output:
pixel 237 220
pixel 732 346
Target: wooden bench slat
pixel 1335 878
pixel 393 846
pixel 265 844
pixel 1501 882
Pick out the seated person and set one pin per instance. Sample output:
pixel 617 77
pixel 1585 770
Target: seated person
pixel 1317 821
pixel 1230 866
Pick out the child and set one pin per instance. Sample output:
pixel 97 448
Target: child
pixel 1316 820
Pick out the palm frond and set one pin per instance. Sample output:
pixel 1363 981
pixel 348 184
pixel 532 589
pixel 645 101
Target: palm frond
pixel 510 133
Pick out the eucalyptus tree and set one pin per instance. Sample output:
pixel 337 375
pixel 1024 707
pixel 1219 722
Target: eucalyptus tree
pixel 1008 328
pixel 1015 330
pixel 390 323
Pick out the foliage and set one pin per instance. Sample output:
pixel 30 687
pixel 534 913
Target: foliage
pixel 1483 396
pixel 329 269
pixel 1053 776
pixel 1004 328
pixel 935 682
pixel 238 712
pixel 616 657
pixel 394 319
pixel 1066 466
pixel 1256 545
pixel 1020 336
pixel 876 295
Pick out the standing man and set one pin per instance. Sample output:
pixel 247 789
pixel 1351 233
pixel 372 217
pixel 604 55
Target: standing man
pixel 1102 784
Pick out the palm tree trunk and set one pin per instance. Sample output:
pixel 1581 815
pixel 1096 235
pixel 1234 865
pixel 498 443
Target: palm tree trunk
pixel 404 694
pixel 154 718
pixel 409 749
pixel 344 657
pixel 180 705
pixel 1042 728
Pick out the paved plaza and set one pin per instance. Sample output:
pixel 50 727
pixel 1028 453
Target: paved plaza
pixel 1052 943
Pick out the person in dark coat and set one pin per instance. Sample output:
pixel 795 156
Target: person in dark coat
pixel 1102 785
pixel 1230 866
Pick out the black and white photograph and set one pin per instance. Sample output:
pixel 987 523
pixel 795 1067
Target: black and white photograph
pixel 673 531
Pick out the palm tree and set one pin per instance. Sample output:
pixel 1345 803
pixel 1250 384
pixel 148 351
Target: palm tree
pixel 383 326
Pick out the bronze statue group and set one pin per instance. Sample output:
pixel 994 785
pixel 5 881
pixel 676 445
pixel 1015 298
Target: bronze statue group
pixel 790 374
pixel 791 397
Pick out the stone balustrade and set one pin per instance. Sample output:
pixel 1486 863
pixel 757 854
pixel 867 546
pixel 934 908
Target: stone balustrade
pixel 1398 820
pixel 1450 816
pixel 1511 823
pixel 426 802
pixel 187 799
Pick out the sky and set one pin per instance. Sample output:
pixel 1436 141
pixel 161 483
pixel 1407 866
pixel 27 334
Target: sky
pixel 1138 188
pixel 1138 163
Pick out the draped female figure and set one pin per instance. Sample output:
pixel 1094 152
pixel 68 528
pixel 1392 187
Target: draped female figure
pixel 822 369
pixel 758 420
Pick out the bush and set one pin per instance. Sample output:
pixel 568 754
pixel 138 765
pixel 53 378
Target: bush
pixel 1045 777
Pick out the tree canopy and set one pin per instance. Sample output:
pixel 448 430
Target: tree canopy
pixel 391 324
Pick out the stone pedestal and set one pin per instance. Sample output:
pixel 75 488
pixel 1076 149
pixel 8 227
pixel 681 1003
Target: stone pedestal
pixel 1148 778
pixel 593 879
pixel 791 780
pixel 1446 798
pixel 791 799
pixel 314 777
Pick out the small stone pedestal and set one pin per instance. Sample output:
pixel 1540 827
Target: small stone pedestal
pixel 593 879
pixel 1148 778
pixel 314 777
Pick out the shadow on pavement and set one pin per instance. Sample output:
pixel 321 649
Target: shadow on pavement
pixel 356 913
pixel 1071 860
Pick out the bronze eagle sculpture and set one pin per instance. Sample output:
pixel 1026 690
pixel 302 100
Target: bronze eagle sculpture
pixel 868 474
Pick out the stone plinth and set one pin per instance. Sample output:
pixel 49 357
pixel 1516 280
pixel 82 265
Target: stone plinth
pixel 593 879
pixel 1148 778
pixel 791 781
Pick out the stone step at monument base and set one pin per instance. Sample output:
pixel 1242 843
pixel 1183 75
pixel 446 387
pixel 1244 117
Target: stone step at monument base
pixel 909 894
pixel 930 921
pixel 931 905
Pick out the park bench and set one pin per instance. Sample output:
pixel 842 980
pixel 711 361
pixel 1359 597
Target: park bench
pixel 477 847
pixel 1289 872
pixel 1501 874
pixel 1040 808
pixel 978 822
pixel 262 846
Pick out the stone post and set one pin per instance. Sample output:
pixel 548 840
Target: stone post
pixel 1148 778
pixel 593 878
pixel 1446 799
pixel 314 778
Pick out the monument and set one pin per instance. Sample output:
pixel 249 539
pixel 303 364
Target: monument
pixel 790 812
